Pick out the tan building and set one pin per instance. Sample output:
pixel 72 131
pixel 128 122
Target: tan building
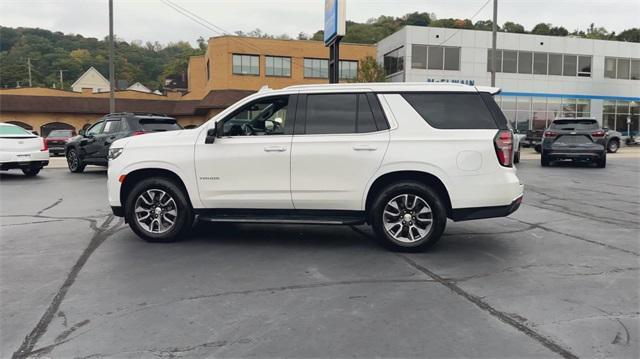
pixel 232 68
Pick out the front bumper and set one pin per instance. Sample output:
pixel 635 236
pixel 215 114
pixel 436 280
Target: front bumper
pixel 467 214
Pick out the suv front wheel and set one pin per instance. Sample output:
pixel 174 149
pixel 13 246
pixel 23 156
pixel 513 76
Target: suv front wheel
pixel 408 216
pixel 158 210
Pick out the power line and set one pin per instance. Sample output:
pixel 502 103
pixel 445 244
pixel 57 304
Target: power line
pixel 472 17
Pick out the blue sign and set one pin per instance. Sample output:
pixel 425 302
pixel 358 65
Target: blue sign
pixel 335 23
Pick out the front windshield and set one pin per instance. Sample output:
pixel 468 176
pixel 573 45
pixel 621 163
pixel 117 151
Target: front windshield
pixel 9 130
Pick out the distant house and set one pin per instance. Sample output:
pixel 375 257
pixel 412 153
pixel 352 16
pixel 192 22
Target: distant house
pixel 139 87
pixel 92 79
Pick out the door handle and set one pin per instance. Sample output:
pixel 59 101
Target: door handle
pixel 364 148
pixel 275 149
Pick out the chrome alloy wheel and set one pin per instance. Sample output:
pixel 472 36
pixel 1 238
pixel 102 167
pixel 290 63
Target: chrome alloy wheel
pixel 407 218
pixel 72 160
pixel 156 211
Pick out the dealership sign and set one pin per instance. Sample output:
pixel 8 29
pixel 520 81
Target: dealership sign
pixel 464 82
pixel 335 22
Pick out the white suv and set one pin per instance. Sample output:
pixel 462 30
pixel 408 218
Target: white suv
pixel 401 157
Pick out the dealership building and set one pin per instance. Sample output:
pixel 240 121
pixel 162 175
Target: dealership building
pixel 541 77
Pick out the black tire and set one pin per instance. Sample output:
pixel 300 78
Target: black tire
pixel 413 188
pixel 613 146
pixel 602 162
pixel 31 171
pixel 182 222
pixel 516 157
pixel 544 161
pixel 74 162
pixel 538 148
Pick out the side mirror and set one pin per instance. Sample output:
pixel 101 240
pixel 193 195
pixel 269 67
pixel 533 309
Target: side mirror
pixel 211 134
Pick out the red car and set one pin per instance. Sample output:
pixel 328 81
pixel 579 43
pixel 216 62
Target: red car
pixel 57 139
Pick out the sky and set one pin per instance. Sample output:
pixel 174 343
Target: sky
pixel 154 20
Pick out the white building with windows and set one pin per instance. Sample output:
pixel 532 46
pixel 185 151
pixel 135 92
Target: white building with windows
pixel 541 77
pixel 92 79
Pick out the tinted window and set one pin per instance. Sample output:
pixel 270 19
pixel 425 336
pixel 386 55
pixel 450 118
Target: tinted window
pixel 509 61
pixel 112 126
pixel 623 68
pixel 610 67
pixel 498 60
pixel 14 130
pixel 524 63
pixel 158 125
pixel 575 125
pixel 365 122
pixel 570 65
pixel 584 66
pixel 540 63
pixel 452 58
pixel 436 57
pixel 452 111
pixel 327 114
pixel 419 56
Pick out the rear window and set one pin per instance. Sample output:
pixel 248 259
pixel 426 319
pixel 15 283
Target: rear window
pixel 452 110
pixel 14 130
pixel 575 125
pixel 159 124
pixel 61 133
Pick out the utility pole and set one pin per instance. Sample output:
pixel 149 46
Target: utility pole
pixel 29 66
pixel 112 85
pixel 61 79
pixel 493 45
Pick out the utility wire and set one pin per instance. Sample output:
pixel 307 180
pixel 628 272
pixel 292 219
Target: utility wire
pixel 471 19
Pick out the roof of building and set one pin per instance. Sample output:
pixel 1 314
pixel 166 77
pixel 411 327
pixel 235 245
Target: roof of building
pixel 86 73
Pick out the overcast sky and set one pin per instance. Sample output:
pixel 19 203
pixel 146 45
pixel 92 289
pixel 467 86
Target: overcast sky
pixel 153 20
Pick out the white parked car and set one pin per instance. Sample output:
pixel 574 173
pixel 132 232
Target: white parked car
pixel 20 149
pixel 401 157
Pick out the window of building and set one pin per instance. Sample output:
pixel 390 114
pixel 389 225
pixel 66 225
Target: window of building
pixel 331 114
pixel 498 60
pixel 570 65
pixel 610 67
pixel 540 63
pixel 555 64
pixel 525 60
pixel 246 64
pixel 278 66
pixel 435 57
pixel 451 111
pixel 509 61
pixel 208 70
pixel 623 69
pixel 348 70
pixel 616 113
pixel 635 69
pixel 584 66
pixel 394 61
pixel 419 56
pixel 452 58
pixel 316 68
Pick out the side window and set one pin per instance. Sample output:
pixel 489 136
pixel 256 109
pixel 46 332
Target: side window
pixel 96 129
pixel 267 116
pixel 366 122
pixel 331 114
pixel 112 126
pixel 452 111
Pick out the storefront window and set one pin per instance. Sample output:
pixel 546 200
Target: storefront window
pixel 419 56
pixel 394 61
pixel 554 107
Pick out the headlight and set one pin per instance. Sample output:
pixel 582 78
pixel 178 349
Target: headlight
pixel 114 153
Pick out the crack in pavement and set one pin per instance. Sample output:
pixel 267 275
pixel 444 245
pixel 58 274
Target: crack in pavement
pixel 57 202
pixel 606 245
pixel 34 222
pixel 510 319
pixel 100 235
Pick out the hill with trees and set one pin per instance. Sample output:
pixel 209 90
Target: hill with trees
pixel 151 63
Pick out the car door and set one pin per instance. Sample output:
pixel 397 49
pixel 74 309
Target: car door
pixel 339 143
pixel 110 133
pixel 247 166
pixel 90 146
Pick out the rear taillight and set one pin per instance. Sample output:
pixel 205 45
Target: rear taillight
pixel 598 133
pixel 136 133
pixel 45 146
pixel 504 147
pixel 549 134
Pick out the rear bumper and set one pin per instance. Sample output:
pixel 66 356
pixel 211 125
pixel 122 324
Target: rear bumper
pixel 586 155
pixel 4 166
pixel 467 214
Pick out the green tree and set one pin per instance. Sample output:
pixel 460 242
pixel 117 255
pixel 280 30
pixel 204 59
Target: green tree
pixel 370 70
pixel 631 35
pixel 541 29
pixel 513 27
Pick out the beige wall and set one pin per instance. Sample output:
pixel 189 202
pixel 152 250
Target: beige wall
pixel 36 120
pixel 221 49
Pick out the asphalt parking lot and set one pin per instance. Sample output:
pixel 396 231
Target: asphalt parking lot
pixel 558 278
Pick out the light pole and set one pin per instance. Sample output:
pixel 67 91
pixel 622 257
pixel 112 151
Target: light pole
pixel 112 99
pixel 494 30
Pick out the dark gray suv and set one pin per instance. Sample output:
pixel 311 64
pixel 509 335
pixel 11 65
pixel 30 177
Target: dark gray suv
pixel 577 139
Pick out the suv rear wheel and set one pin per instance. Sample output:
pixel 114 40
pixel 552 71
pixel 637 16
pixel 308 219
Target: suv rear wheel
pixel 158 210
pixel 408 216
pixel 613 146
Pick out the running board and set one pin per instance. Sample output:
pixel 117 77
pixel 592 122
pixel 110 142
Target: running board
pixel 281 216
